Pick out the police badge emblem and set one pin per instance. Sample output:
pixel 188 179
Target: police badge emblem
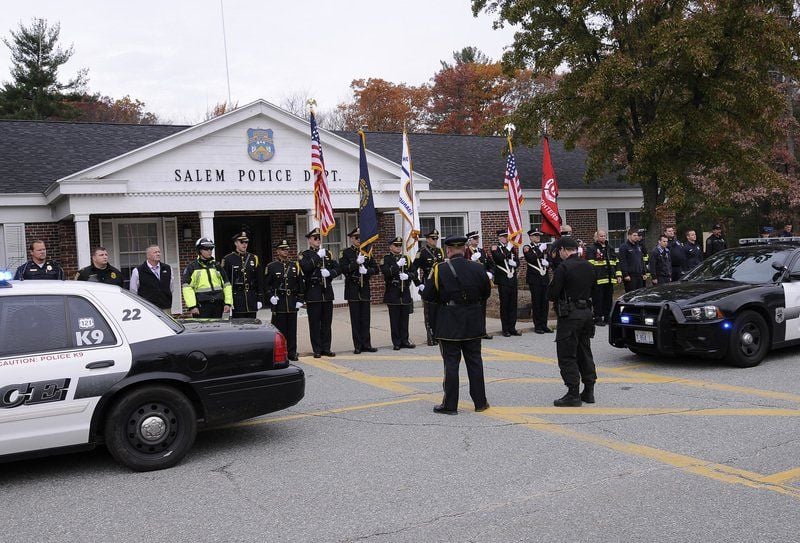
pixel 259 144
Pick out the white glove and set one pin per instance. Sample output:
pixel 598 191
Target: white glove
pixel 321 252
pixel 509 245
pixel 475 256
pixel 512 263
pixel 362 270
pixel 421 288
pixel 324 272
pixel 403 276
pixel 298 305
pixel 510 274
pixel 543 247
pixel 545 262
pixel 360 259
pixel 274 300
pixel 401 261
pixel 580 251
pixel 259 305
pixel 490 275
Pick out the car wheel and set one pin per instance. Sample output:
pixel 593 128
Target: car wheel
pixel 749 341
pixel 151 428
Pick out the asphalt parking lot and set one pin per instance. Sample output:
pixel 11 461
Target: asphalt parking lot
pixel 674 450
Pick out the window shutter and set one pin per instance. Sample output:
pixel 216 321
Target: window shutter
pixel 107 238
pixel 172 257
pixel 14 241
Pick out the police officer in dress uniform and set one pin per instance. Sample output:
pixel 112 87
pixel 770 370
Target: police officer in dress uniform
pixel 397 295
pixel 571 291
pixel 100 271
pixel 153 280
pixel 39 267
pixel 319 269
pixel 631 262
pixel 606 267
pixel 535 255
pixel 206 290
pixel 676 253
pixel 475 253
pixel 357 269
pixel 715 242
pixel 460 287
pixel 692 252
pixel 283 284
pixel 420 269
pixel 506 262
pixel 661 262
pixel 244 271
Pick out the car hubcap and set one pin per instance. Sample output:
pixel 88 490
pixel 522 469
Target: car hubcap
pixel 750 340
pixel 152 428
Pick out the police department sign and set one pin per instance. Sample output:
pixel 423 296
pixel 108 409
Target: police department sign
pixel 259 144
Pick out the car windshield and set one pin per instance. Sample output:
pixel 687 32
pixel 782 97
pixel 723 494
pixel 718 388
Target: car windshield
pixel 172 323
pixel 741 265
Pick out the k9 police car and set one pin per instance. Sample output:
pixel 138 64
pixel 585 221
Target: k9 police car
pixel 738 304
pixel 83 363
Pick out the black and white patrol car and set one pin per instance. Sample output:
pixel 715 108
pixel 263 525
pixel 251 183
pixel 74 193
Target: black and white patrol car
pixel 83 363
pixel 738 304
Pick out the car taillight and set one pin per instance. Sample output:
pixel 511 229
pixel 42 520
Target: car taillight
pixel 279 351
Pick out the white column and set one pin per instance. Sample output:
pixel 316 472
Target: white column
pixel 311 222
pixel 206 224
pixel 82 243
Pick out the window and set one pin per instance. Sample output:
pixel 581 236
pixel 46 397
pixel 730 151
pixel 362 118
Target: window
pixel 618 224
pixel 13 251
pixel 447 225
pixel 32 324
pixel 134 239
pixel 87 325
pixel 536 224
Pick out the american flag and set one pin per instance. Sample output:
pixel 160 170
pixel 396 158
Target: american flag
pixel 323 210
pixel 515 199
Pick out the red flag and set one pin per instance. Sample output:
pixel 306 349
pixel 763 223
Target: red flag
pixel 515 199
pixel 551 221
pixel 323 210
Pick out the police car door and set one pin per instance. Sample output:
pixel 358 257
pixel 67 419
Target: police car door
pixel 789 314
pixel 58 354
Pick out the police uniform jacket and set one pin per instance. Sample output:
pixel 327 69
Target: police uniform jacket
pixel 630 259
pixel 318 288
pixel 31 270
pixel 660 264
pixel 676 254
pixel 715 244
pixel 205 281
pixel 573 281
pixel 109 275
pixel 247 280
pixel 397 292
pixel 460 287
pixel 488 263
pixel 605 262
pixel 537 271
pixel 693 255
pixel 284 279
pixel 424 262
pixel 501 256
pixel 356 285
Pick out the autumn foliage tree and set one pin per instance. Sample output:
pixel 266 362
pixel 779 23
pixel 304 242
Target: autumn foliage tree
pixel 104 109
pixel 382 106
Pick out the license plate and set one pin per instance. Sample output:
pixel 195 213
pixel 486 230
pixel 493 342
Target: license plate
pixel 644 336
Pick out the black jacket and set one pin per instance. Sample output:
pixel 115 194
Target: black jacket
pixel 631 260
pixel 460 297
pixel 284 279
pixel 660 265
pixel 537 271
pixel 423 263
pixel 110 275
pixel 356 285
pixel 398 291
pixel 31 270
pixel 573 281
pixel 501 257
pixel 715 244
pixel 318 288
pixel 693 255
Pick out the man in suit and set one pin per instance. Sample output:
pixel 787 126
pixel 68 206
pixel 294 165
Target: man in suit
pixel 153 280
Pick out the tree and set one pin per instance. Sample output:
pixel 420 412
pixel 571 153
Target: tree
pixel 104 109
pixel 221 108
pixel 675 96
pixel 383 106
pixel 36 57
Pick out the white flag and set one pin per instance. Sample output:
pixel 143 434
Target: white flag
pixel 406 207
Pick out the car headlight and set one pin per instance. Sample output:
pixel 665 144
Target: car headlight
pixel 704 313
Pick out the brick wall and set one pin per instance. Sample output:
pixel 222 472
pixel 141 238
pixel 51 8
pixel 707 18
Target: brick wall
pixel 48 232
pixel 583 223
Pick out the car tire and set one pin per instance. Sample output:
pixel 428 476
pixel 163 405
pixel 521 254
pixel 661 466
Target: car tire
pixel 749 342
pixel 151 428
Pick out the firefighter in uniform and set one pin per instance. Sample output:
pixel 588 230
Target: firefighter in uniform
pixel 537 279
pixel 244 271
pixel 460 287
pixel 100 271
pixel 283 284
pixel 571 291
pixel 39 267
pixel 420 269
pixel 631 263
pixel 660 263
pixel 506 263
pixel 319 269
pixel 475 253
pixel 397 295
pixel 606 267
pixel 206 290
pixel 715 242
pixel 357 269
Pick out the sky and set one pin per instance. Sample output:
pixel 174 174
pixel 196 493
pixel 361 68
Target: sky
pixel 170 54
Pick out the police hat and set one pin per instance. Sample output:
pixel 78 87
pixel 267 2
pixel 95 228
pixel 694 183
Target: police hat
pixel 353 233
pixel 503 232
pixel 204 243
pixel 282 244
pixel 534 232
pixel 568 243
pixel 241 236
pixel 473 234
pixel 433 234
pixel 397 241
pixel 455 241
pixel 314 232
pixel 716 227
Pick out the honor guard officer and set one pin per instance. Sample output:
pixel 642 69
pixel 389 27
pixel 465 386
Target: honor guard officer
pixel 505 277
pixel 357 269
pixel 715 242
pixel 153 280
pixel 100 271
pixel 460 288
pixel 606 267
pixel 660 263
pixel 420 269
pixel 631 262
pixel 38 267
pixel 397 295
pixel 571 292
pixel 206 290
pixel 244 271
pixel 284 288
pixel 475 253
pixel 319 269
pixel 537 279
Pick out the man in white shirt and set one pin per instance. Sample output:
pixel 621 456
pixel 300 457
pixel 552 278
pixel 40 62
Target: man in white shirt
pixel 153 280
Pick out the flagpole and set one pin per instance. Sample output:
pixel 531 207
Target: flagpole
pixel 317 212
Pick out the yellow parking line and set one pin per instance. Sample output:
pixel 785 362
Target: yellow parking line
pixel 518 380
pixel 379 382
pixel 783 476
pixel 644 411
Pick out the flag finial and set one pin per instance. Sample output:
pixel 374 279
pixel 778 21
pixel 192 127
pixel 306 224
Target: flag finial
pixel 509 128
pixel 311 103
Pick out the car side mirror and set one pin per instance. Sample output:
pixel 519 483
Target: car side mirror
pixel 779 266
pixel 795 275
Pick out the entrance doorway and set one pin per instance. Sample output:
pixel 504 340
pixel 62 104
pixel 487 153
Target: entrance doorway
pixel 226 227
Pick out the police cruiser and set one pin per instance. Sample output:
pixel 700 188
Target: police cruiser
pixel 84 363
pixel 738 304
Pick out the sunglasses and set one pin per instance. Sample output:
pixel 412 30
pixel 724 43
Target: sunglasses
pixel 243 240
pixel 315 238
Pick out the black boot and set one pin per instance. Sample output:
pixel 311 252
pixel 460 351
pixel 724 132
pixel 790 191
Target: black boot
pixel 588 393
pixel 571 399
